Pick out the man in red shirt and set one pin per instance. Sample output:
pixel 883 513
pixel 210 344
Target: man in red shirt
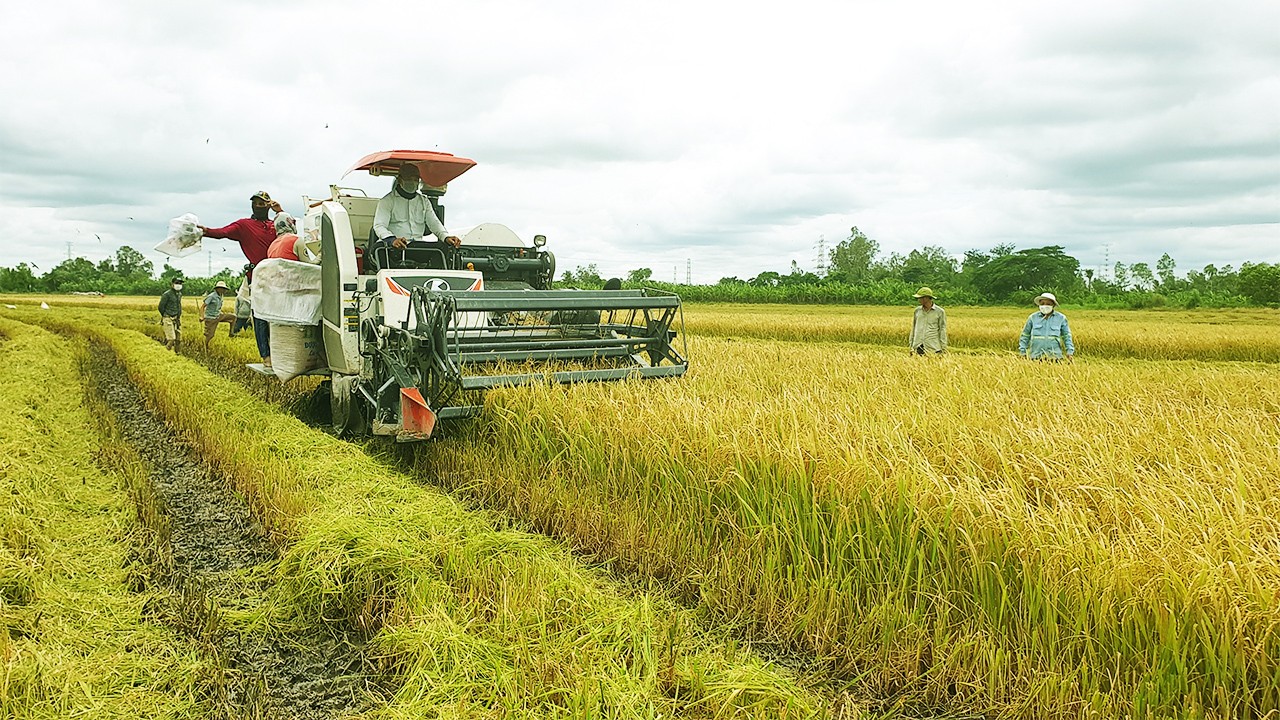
pixel 255 235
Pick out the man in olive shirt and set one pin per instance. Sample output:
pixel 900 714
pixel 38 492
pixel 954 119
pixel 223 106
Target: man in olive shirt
pixel 928 326
pixel 171 314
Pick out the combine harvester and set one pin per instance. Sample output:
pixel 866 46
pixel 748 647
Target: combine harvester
pixel 417 341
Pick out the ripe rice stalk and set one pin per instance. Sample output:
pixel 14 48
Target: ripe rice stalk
pixel 469 616
pixel 966 526
pixel 73 639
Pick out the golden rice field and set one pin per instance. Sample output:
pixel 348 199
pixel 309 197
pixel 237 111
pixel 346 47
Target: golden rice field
pixel 965 536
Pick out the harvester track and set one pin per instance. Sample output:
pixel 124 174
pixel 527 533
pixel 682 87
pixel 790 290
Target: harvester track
pixel 203 533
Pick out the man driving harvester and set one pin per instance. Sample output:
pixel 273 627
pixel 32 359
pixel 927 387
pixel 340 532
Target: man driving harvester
pixel 404 215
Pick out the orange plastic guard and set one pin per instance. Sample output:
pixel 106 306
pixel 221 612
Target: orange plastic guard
pixel 415 417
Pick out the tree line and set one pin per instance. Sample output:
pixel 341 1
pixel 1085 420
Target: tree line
pixel 857 273
pixel 128 272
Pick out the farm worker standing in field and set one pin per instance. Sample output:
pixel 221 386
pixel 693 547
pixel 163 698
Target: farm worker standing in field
pixel 213 311
pixel 255 235
pixel 1046 335
pixel 928 326
pixel 244 308
pixel 404 215
pixel 171 314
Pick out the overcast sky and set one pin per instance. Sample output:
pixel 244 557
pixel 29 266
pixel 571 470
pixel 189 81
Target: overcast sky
pixel 730 134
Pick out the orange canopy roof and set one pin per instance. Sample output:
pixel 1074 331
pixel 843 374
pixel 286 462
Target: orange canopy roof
pixel 436 168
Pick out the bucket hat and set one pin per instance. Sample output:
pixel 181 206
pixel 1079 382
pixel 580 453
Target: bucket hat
pixel 220 284
pixel 1047 296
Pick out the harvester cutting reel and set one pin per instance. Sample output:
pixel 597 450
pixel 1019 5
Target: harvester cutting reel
pixel 434 364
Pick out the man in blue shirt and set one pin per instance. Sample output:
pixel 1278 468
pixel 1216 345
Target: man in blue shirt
pixel 1046 335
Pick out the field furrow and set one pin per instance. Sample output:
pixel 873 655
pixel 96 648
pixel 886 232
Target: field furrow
pixel 971 534
pixel 472 618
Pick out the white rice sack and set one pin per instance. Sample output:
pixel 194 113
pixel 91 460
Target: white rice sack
pixel 295 350
pixel 286 292
pixel 184 237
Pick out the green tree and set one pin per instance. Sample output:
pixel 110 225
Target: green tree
pixel 1164 270
pixel 169 273
pixel 975 260
pixel 640 275
pixel 19 279
pixel 930 265
pixel 799 277
pixel 1025 271
pixel 132 265
pixel 1260 282
pixel 853 260
pixel 768 278
pixel 1121 274
pixel 1143 278
pixel 76 274
pixel 583 276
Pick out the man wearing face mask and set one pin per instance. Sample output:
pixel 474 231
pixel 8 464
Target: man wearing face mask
pixel 255 235
pixel 404 215
pixel 1046 334
pixel 171 314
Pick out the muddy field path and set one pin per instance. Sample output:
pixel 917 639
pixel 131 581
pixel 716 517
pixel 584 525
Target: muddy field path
pixel 209 536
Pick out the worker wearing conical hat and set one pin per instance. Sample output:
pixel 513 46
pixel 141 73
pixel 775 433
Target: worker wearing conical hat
pixel 928 325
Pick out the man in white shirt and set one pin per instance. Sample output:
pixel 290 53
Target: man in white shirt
pixel 928 325
pixel 404 215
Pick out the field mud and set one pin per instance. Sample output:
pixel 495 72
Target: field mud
pixel 202 533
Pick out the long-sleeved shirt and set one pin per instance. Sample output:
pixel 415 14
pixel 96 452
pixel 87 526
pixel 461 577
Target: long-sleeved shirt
pixel 212 305
pixel 171 303
pixel 1046 336
pixel 243 308
pixel 929 329
pixel 255 237
pixel 408 218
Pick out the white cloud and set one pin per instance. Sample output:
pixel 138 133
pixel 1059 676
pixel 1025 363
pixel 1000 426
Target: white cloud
pixel 642 135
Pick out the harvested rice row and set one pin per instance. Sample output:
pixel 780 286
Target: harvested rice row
pixel 476 620
pixel 73 641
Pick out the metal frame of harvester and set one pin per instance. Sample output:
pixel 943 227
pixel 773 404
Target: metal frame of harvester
pixel 416 341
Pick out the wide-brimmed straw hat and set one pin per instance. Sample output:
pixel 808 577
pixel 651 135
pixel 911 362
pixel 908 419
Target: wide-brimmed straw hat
pixel 1047 296
pixel 924 292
